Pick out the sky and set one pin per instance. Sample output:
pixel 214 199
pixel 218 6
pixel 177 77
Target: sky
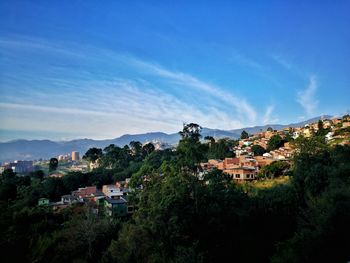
pixel 83 69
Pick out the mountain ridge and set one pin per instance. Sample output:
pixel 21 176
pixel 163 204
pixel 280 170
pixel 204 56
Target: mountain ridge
pixel 23 149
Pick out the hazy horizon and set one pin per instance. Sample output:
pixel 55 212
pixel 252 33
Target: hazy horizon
pixel 20 135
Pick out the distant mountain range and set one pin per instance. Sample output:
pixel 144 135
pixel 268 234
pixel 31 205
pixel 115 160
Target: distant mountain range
pixel 45 149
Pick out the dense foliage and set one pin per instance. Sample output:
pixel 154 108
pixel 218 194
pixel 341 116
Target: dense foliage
pixel 275 142
pixel 183 217
pixel 258 150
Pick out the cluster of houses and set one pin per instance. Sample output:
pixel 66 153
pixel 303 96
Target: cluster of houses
pixel 242 168
pixel 245 166
pixel 111 199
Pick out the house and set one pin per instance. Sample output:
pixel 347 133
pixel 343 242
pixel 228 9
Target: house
pixel 247 161
pixel 242 173
pixel 70 199
pixel 346 124
pixel 66 201
pixel 262 160
pixel 112 191
pixel 337 121
pixel 268 155
pixel 230 162
pixel 116 207
pixel 85 192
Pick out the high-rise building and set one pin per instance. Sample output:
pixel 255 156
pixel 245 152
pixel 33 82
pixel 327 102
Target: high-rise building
pixel 75 156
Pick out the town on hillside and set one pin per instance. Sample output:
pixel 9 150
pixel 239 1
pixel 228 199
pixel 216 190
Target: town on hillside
pixel 266 154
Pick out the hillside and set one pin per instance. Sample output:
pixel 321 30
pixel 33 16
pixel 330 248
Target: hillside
pixel 44 149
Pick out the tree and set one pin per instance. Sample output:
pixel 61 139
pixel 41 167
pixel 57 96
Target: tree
pixel 274 143
pixel 191 130
pixel 189 150
pixel 210 139
pixel 115 158
pixel 258 150
pixel 244 135
pixel 221 149
pixel 321 130
pixel 270 129
pixel 274 169
pixel 8 174
pixel 37 174
pixel 93 154
pixel 53 164
pixel 321 183
pixel 147 149
pixel 136 148
pixel 8 188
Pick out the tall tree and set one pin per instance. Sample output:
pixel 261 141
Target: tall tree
pixel 53 164
pixel 93 154
pixel 190 150
pixel 147 149
pixel 221 149
pixel 136 148
pixel 244 135
pixel 321 131
pixel 191 130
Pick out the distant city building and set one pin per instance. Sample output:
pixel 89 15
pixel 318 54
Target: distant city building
pixel 60 157
pixel 18 166
pixel 75 156
pixel 64 157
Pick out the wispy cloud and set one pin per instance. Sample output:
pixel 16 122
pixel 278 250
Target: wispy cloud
pixel 123 107
pixel 282 61
pixel 121 104
pixel 243 108
pixel 268 116
pixel 307 97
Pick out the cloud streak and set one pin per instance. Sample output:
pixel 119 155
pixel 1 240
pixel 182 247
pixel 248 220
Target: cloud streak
pixel 243 109
pixel 126 107
pixel 268 118
pixel 144 101
pixel 282 61
pixel 307 97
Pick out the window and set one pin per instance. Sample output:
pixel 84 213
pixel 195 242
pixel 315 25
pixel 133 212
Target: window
pixel 248 175
pixel 238 176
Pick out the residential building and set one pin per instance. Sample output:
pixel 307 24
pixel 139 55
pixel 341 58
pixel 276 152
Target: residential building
pixel 242 173
pixel 112 191
pixel 116 207
pixel 262 160
pixel 85 192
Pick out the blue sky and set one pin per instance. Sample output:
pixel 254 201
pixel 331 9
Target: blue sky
pixel 74 69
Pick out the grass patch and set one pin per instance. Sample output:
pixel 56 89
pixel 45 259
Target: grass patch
pixel 268 183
